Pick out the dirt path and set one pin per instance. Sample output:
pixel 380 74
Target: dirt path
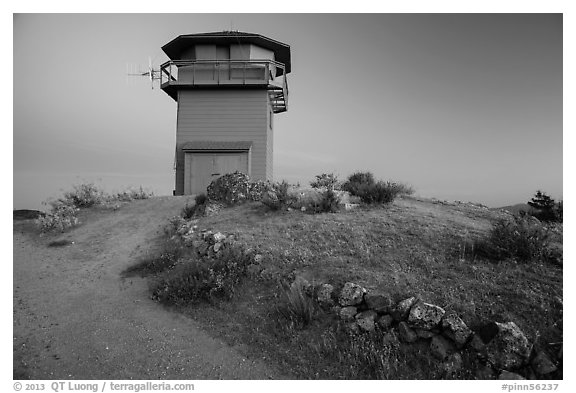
pixel 75 317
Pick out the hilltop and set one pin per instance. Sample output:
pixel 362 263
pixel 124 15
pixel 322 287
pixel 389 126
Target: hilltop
pixel 411 247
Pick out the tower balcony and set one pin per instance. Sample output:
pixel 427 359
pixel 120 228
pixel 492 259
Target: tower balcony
pixel 230 74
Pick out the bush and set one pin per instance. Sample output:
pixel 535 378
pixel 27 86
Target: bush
pixel 363 185
pixel 84 195
pixel 130 195
pixel 62 216
pixel 521 238
pixel 329 202
pixel 278 196
pixel 199 279
pixel 198 208
pixel 329 181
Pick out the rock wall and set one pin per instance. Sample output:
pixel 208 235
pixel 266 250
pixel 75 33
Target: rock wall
pixel 502 348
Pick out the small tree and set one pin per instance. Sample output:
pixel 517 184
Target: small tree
pixel 546 208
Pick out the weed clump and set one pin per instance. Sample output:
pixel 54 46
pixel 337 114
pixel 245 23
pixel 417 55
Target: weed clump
pixel 296 307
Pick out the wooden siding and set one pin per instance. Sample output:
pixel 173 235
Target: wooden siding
pixel 224 115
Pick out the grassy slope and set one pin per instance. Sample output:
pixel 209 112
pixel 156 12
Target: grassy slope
pixel 413 247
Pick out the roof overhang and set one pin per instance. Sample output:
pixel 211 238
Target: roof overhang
pixel 211 146
pixel 175 47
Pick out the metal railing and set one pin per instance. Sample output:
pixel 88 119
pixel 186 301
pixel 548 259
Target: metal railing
pixel 269 73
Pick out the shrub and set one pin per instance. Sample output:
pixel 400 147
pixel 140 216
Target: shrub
pixel 357 179
pixel 197 279
pixel 296 306
pixel 84 195
pixel 62 216
pixel 231 188
pixel 188 211
pixel 326 180
pixel 257 189
pixel 198 208
pixel 522 238
pixel 278 196
pixel 363 185
pixel 329 202
pixel 131 194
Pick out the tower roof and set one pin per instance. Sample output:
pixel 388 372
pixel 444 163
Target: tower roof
pixel 175 47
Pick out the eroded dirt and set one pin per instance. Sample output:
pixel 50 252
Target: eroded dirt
pixel 76 317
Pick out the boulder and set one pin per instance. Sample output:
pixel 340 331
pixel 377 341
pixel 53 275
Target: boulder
pixel 352 328
pixel 542 364
pixel 324 295
pixel 351 295
pixel 217 247
pixel 365 320
pixel 218 237
pixel 508 376
pixel 400 312
pixel 455 329
pixel 406 333
pixel 452 364
pixel 385 321
pixel 425 316
pixel 484 372
pixel 348 313
pixel 441 348
pixel 509 348
pixel 424 333
pixel 379 302
pixel 478 346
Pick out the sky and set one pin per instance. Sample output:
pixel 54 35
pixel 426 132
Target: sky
pixel 460 106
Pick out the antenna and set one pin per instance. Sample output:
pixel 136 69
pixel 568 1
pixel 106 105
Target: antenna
pixel 152 73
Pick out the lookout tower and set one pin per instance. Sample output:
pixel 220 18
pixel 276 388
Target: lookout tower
pixel 228 86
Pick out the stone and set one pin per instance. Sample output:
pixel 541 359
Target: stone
pixel 542 364
pixel 423 333
pixel 425 316
pixel 508 376
pixel 440 347
pixel 352 328
pixel 455 329
pixel 351 295
pixel 385 321
pixel 218 237
pixel 324 295
pixel 258 258
pixel 509 348
pixel 217 247
pixel 402 309
pixel 477 344
pixel 365 320
pixel 379 302
pixel 452 364
pixel 348 313
pixel 389 338
pixel 406 333
pixel 484 372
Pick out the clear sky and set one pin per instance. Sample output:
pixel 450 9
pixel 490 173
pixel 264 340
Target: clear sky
pixel 461 106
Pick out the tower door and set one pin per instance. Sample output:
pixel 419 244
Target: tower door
pixel 202 168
